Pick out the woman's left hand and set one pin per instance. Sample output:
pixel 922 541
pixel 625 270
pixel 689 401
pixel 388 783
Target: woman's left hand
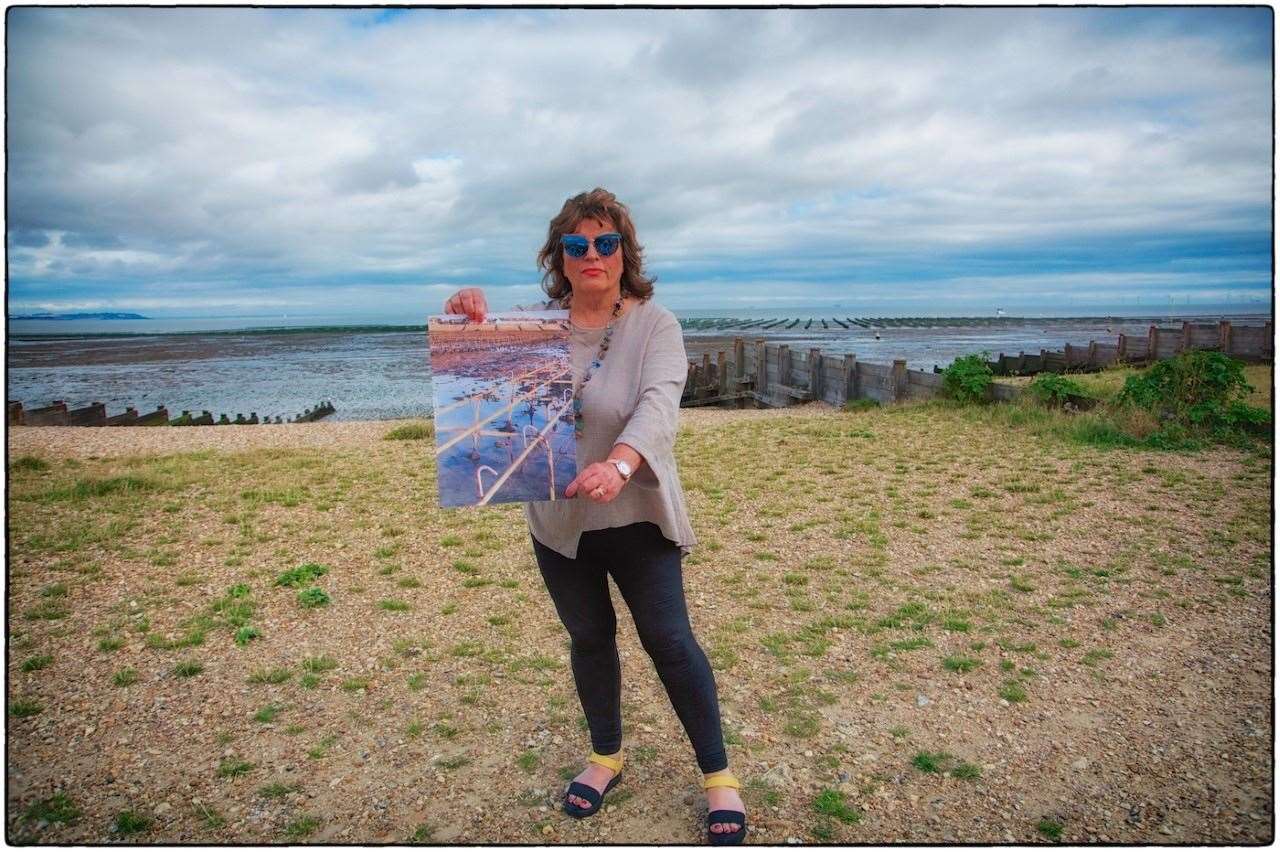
pixel 600 481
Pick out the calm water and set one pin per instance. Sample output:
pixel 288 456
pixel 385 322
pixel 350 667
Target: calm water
pixel 377 374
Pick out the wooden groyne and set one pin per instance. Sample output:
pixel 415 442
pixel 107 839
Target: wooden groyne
pixel 820 323
pixel 774 376
pixel 95 414
pixel 1249 343
pixel 771 374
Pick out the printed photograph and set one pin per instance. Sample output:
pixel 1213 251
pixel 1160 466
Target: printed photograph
pixel 503 407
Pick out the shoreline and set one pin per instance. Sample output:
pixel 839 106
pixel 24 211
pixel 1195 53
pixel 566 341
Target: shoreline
pixel 123 441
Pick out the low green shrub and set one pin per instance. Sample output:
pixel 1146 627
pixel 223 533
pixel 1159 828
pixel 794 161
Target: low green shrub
pixel 1196 392
pixel 1053 389
pixel 968 378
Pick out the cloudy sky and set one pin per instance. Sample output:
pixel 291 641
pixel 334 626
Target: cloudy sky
pixel 368 163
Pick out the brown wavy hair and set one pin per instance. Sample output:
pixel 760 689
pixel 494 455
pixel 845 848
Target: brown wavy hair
pixel 601 205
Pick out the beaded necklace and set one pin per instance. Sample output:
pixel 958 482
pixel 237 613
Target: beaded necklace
pixel 595 364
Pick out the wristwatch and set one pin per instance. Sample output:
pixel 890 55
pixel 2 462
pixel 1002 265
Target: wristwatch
pixel 623 468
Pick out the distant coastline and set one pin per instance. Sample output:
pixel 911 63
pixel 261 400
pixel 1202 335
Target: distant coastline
pixel 124 325
pixel 90 316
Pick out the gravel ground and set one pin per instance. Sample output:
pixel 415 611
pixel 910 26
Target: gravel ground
pixel 454 720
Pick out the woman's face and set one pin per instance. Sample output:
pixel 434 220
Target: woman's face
pixel 592 274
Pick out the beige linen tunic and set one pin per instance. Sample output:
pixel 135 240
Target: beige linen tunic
pixel 633 398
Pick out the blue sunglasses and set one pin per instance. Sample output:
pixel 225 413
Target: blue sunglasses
pixel 576 246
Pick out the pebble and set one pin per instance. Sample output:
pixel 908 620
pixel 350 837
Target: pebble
pixel 922 701
pixel 548 830
pixel 1081 764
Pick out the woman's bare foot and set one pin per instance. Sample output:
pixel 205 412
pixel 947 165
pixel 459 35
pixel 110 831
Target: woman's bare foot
pixel 594 776
pixel 727 799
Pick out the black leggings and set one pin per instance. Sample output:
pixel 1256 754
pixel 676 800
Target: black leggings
pixel 646 568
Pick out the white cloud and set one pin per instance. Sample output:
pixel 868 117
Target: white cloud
pixel 288 146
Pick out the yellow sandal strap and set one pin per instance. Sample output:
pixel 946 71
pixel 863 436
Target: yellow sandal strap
pixel 723 778
pixel 613 762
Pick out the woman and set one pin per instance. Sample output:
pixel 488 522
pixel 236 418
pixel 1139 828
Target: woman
pixel 626 516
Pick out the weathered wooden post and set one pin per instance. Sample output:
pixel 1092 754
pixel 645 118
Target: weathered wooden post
pixel 762 368
pixel 1121 345
pixel 739 363
pixel 1224 336
pixel 1022 363
pixel 1184 343
pixel 815 374
pixel 847 371
pixel 1093 353
pixel 1044 360
pixel 722 374
pixel 784 365
pixel 705 379
pixel 898 380
pixel 1153 343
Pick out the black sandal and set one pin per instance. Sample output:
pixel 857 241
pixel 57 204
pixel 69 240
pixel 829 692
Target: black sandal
pixel 724 778
pixel 585 791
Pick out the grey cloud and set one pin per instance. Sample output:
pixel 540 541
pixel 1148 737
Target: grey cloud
pixel 304 143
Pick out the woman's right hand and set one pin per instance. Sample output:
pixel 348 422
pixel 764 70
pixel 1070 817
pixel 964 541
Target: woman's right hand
pixel 469 301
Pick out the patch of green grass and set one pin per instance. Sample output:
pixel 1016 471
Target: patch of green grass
pixel 927 761
pixel 276 790
pixel 232 767
pixel 410 432
pixel 355 684
pixel 1050 829
pixel 313 597
pixel 303 826
pixel 528 761
pixel 111 643
pixel 316 665
pixel 831 803
pixel 125 677
pixel 276 675
pixel 966 772
pixel 24 708
pixel 30 464
pixel 1092 658
pixel 1013 692
pixel 188 668
pixel 51 610
pixel 35 664
pixel 393 605
pixel 804 725
pixel 129 822
pixel 267 714
pixel 303 575
pixel 246 634
pixel 58 808
pixel 960 664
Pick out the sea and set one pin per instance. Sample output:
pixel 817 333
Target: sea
pixel 280 366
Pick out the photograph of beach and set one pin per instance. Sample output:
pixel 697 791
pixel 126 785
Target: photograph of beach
pixel 503 407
